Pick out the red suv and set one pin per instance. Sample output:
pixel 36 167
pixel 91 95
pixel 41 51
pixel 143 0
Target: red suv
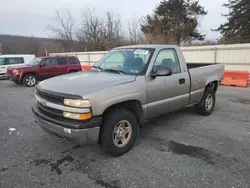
pixel 43 68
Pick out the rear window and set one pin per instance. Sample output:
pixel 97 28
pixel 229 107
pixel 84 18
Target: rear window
pixel 72 60
pixel 62 61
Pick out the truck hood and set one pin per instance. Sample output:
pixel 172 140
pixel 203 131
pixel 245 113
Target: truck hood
pixel 19 67
pixel 82 83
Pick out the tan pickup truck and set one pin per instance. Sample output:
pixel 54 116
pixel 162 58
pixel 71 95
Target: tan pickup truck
pixel 127 87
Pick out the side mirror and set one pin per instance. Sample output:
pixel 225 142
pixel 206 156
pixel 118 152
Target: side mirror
pixel 41 65
pixel 161 71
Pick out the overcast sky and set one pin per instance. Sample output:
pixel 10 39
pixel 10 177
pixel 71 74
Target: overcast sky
pixel 29 17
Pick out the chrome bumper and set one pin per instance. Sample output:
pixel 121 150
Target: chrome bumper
pixel 79 136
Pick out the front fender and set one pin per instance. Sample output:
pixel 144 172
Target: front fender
pixel 118 99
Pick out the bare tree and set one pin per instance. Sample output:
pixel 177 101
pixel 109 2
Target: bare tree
pixel 113 25
pixel 99 31
pixel 64 33
pixel 134 32
pixel 92 29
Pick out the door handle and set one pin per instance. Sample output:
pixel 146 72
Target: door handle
pixel 182 80
pixel 2 67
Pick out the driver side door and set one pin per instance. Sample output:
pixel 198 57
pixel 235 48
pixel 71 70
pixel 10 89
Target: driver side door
pixel 47 69
pixel 167 93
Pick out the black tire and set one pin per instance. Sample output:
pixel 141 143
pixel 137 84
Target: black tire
pixel 110 122
pixel 72 71
pixel 16 82
pixel 204 108
pixel 27 80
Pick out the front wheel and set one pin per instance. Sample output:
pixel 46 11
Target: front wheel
pixel 16 82
pixel 29 80
pixel 206 106
pixel 119 132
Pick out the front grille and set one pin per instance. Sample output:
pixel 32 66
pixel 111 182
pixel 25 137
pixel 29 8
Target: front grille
pixel 55 114
pixel 49 110
pixel 49 97
pixel 60 120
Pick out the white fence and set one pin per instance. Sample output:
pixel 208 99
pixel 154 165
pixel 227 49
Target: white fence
pixel 235 57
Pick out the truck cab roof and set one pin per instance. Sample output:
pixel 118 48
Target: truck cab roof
pixel 155 46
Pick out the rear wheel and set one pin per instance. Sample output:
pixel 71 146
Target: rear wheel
pixel 72 71
pixel 206 106
pixel 29 80
pixel 119 132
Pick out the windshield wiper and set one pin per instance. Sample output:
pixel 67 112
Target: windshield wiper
pixel 116 71
pixel 109 70
pixel 99 68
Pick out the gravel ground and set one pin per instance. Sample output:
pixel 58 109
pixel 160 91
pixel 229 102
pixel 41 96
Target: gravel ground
pixel 181 149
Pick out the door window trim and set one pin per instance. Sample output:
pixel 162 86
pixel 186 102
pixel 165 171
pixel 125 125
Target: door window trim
pixel 177 58
pixel 46 60
pixel 67 61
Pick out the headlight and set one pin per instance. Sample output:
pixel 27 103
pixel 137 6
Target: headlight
pixel 77 116
pixel 77 103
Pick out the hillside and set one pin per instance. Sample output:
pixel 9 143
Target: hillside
pixel 12 44
pixel 4 38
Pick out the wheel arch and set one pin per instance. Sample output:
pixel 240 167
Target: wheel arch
pixel 213 85
pixel 133 105
pixel 26 73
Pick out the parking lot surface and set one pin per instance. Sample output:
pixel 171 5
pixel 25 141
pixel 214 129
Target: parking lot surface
pixel 181 149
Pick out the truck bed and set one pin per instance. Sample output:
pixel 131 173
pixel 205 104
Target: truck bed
pixel 200 76
pixel 196 65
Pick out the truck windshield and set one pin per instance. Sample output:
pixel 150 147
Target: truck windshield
pixel 132 61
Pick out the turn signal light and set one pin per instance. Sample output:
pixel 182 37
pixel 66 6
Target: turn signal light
pixel 77 116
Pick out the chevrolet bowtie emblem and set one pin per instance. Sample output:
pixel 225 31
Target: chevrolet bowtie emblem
pixel 43 102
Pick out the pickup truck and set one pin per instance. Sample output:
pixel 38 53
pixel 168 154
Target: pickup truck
pixel 42 68
pixel 127 87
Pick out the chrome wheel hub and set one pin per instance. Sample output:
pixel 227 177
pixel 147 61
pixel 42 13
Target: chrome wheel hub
pixel 30 80
pixel 209 102
pixel 122 133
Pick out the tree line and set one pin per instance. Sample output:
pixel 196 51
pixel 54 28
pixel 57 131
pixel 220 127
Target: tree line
pixel 171 22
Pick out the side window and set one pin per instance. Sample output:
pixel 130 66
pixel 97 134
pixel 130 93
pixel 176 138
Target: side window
pixel 72 60
pixel 62 61
pixel 168 57
pixel 15 60
pixel 2 61
pixel 48 62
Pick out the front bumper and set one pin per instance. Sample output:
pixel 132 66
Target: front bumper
pixel 2 76
pixel 12 78
pixel 79 136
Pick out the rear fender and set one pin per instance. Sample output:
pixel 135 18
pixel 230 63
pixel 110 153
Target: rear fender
pixel 212 79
